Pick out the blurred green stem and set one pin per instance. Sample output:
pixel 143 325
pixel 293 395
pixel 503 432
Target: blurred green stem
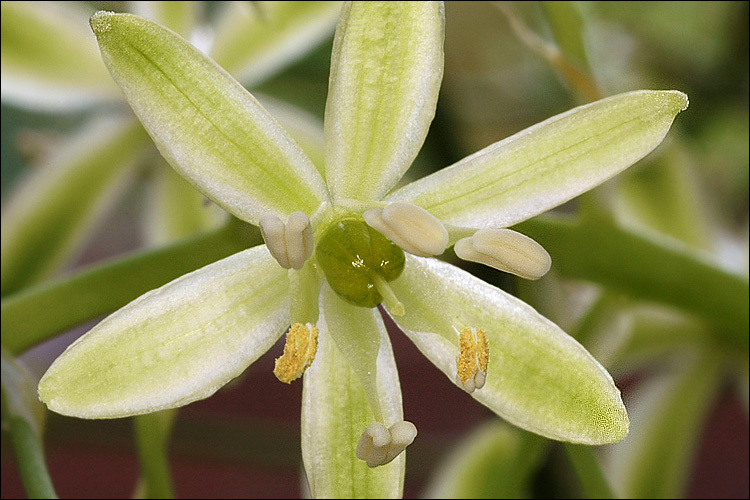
pixel 30 459
pixel 37 313
pixel 590 477
pixel 152 433
pixel 598 250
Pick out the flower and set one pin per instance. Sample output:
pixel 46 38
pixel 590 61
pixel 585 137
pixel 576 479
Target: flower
pixel 50 63
pixel 341 241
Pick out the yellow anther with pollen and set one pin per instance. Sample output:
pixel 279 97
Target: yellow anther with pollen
pixel 299 352
pixel 473 358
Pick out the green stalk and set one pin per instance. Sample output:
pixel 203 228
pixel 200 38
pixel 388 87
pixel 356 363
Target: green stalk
pixel 152 433
pixel 590 476
pixel 30 459
pixel 663 271
pixel 37 313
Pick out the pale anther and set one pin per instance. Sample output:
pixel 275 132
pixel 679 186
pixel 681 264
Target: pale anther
pixel 473 358
pixel 411 227
pixel 291 244
pixel 380 445
pixel 299 352
pixel 506 250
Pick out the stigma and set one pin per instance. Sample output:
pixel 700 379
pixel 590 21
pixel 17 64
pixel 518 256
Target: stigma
pixel 291 244
pixel 299 352
pixel 472 361
pixel 505 250
pixel 379 445
pixel 412 228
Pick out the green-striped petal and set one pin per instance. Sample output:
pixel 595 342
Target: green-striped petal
pixel 549 163
pixel 209 128
pixel 254 40
pixel 335 408
pixel 49 59
pixel 176 344
pixel 538 378
pixel 59 204
pixel 386 68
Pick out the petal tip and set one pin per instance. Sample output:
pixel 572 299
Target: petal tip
pixel 100 22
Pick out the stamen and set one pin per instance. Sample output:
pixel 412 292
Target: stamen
pixel 507 251
pixel 379 445
pixel 299 352
pixel 411 227
pixel 472 361
pixel 291 244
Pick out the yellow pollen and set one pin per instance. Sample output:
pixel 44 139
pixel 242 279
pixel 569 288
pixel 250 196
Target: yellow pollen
pixel 299 352
pixel 483 350
pixel 473 358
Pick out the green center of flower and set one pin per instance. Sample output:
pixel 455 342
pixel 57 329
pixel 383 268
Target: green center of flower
pixel 358 261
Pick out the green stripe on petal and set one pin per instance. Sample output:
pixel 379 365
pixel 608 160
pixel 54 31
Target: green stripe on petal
pixel 176 344
pixel 49 58
pixel 335 408
pixel 549 163
pixel 254 40
pixel 59 204
pixel 538 378
pixel 386 69
pixel 209 128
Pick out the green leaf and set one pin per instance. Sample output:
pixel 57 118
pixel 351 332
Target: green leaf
pixel 494 461
pixel 590 477
pixel 152 433
pixel 335 407
pixel 538 378
pixel 547 164
pixel 58 206
pixel 174 345
pixel 254 40
pixel 667 413
pixel 209 128
pixel 49 58
pixel 386 69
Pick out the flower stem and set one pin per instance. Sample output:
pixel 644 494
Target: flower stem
pixel 37 313
pixel 30 458
pixel 590 477
pixel 152 435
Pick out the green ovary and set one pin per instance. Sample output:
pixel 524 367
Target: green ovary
pixel 352 254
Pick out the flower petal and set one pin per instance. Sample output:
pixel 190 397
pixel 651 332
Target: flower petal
pixel 386 69
pixel 59 204
pixel 209 128
pixel 49 58
pixel 173 345
pixel 547 164
pixel 538 378
pixel 254 40
pixel 335 408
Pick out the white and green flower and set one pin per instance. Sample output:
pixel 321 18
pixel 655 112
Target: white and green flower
pixel 335 249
